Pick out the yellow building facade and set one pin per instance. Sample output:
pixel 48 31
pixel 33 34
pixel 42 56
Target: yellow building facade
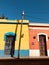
pixel 12 27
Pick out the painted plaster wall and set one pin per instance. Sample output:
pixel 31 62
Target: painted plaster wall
pixel 5 28
pixel 34 43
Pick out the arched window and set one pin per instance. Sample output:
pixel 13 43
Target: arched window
pixel 9 39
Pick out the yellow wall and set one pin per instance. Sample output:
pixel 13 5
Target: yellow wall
pixel 5 28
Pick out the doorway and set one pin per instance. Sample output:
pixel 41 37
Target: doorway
pixel 42 45
pixel 9 45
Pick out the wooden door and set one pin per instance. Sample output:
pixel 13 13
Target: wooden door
pixel 43 47
pixel 9 45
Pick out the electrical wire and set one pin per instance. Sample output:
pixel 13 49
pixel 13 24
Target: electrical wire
pixel 37 18
pixel 26 15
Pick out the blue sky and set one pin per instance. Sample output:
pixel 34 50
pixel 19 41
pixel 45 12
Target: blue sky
pixel 35 10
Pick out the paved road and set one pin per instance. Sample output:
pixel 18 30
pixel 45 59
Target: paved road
pixel 24 61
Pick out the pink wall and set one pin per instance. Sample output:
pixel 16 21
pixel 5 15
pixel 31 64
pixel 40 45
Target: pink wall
pixel 33 32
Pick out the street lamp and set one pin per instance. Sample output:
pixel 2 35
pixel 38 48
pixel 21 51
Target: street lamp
pixel 20 35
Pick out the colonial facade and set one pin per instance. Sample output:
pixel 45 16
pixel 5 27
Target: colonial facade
pixel 10 37
pixel 39 39
pixel 19 37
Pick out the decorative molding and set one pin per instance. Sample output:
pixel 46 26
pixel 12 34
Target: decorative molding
pixel 33 28
pixel 42 34
pixel 39 24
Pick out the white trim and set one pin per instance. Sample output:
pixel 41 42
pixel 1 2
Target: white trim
pixel 48 52
pixel 42 34
pixel 39 24
pixel 35 52
pixel 33 28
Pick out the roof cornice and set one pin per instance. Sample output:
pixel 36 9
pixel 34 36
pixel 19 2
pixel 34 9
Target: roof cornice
pixel 38 24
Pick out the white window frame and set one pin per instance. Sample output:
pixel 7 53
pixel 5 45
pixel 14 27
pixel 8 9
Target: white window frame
pixel 42 34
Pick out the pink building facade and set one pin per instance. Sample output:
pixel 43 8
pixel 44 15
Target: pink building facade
pixel 38 39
